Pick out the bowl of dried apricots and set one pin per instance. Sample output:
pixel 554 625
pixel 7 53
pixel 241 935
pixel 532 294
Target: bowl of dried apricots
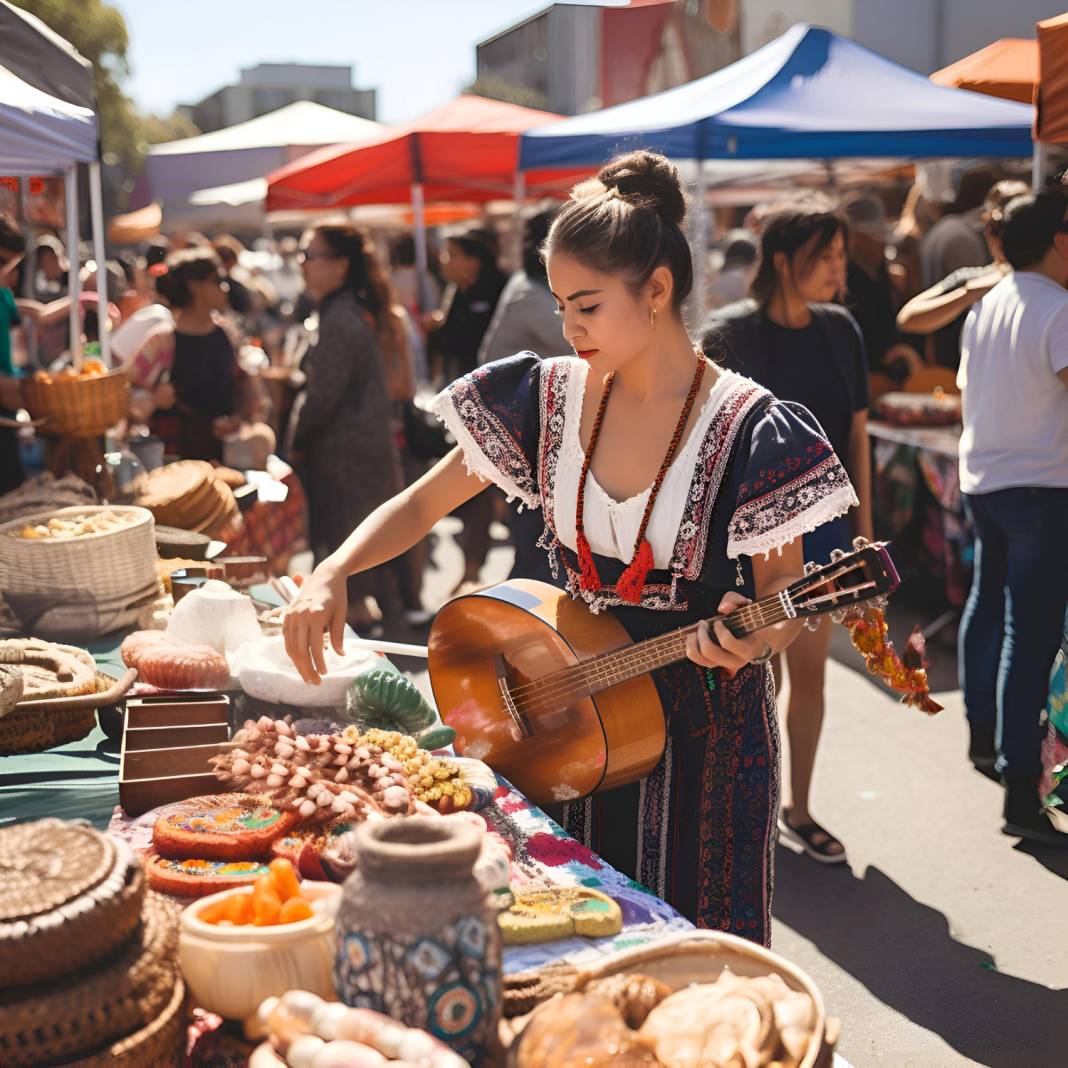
pixel 242 945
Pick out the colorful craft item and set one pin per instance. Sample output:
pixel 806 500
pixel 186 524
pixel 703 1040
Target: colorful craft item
pixel 559 912
pixel 197 878
pixel 869 633
pixel 239 828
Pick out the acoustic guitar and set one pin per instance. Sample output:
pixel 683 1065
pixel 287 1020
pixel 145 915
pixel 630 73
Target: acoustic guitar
pixel 560 701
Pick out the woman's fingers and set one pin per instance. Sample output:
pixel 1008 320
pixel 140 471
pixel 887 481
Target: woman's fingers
pixel 317 637
pixel 703 649
pixel 740 648
pixel 337 631
pixel 732 601
pixel 300 630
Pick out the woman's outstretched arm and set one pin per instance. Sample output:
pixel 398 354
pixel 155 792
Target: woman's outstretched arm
pixel 390 530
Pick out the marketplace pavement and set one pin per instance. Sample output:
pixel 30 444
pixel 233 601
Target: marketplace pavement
pixel 942 942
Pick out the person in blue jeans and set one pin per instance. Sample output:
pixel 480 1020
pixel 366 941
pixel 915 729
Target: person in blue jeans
pixel 1014 477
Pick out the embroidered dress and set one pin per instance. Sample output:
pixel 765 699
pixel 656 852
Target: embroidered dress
pixel 753 474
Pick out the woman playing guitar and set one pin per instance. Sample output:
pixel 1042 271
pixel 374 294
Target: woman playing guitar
pixel 671 491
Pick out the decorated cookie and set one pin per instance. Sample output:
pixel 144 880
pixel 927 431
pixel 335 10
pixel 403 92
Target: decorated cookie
pixel 196 878
pixel 546 915
pixel 240 827
pixel 304 849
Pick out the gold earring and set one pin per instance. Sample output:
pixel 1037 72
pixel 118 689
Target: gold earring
pixel 652 316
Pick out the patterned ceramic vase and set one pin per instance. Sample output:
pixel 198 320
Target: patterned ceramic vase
pixel 416 935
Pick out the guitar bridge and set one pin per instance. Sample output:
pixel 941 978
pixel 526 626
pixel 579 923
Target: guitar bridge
pixel 520 729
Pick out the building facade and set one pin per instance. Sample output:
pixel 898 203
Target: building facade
pixel 572 58
pixel 270 86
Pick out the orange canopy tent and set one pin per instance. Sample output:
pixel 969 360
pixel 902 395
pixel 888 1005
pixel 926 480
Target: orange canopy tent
pixel 1051 124
pixel 1007 68
pixel 466 150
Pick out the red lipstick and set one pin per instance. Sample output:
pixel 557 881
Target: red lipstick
pixel 586 353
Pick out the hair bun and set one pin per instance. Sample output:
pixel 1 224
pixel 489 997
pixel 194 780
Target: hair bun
pixel 647 180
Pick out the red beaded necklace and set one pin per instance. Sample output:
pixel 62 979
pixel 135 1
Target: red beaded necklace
pixel 632 581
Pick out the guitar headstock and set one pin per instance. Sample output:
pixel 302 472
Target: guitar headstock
pixel 861 575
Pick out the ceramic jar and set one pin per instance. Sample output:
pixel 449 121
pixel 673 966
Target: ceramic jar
pixel 416 935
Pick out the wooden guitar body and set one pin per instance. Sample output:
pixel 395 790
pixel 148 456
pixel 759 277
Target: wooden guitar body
pixel 574 744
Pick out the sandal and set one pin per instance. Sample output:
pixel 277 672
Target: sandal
pixel 814 840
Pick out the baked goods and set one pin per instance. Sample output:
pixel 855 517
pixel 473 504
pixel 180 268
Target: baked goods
pixel 77 525
pixel 197 878
pixel 182 667
pixel 584 1029
pixel 49 670
pixel 559 912
pixel 68 895
pixel 10 687
pixel 187 495
pixel 312 1033
pixel 231 827
pixel 320 777
pixel 635 996
pixel 136 643
pixel 734 1021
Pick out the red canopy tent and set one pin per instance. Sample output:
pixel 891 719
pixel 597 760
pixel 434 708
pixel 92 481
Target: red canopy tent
pixel 466 150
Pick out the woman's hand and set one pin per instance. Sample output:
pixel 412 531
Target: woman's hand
pixel 163 397
pixel 730 653
pixel 318 610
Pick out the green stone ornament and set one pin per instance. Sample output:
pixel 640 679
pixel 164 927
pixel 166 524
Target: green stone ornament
pixel 386 700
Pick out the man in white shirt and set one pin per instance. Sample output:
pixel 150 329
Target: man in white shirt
pixel 1014 477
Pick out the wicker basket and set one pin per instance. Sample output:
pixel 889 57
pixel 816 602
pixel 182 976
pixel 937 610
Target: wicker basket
pixel 108 566
pixel 69 896
pixel 44 724
pixel 78 407
pixel 161 1044
pixel 701 957
pixel 98 1005
pixel 10 688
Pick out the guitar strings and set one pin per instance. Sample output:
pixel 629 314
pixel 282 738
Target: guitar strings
pixel 575 682
pixel 602 668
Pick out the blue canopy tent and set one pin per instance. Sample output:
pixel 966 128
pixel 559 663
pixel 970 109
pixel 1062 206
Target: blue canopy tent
pixel 809 94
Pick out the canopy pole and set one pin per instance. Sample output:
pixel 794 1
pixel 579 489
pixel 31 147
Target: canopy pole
pixel 74 286
pixel 1039 161
pixel 419 226
pixel 96 207
pixel 700 245
pixel 519 194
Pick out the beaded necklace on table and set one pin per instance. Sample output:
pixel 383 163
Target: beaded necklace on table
pixel 632 581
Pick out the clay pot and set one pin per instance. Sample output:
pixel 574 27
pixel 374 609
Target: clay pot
pixel 417 937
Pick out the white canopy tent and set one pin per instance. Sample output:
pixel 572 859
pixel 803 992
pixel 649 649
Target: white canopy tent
pixel 177 170
pixel 41 134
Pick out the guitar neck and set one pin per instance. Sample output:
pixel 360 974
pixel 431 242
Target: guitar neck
pixel 609 669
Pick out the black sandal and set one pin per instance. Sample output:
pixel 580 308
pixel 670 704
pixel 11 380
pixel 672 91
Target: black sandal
pixel 805 837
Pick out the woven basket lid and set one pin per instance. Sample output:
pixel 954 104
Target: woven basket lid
pixel 46 864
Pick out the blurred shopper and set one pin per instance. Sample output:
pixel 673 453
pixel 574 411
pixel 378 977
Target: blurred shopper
pixel 736 275
pixel 342 431
pixel 405 278
pixel 955 241
pixel 941 309
pixel 1014 478
pixel 50 260
pixel 475 285
pixel 195 399
pixel 793 340
pixel 12 249
pixel 870 295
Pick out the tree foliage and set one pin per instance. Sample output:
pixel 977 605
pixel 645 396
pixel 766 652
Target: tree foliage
pixel 98 31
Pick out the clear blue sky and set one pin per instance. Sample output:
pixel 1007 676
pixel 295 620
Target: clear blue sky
pixel 416 53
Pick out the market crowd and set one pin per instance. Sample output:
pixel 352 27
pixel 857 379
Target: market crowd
pixel 322 349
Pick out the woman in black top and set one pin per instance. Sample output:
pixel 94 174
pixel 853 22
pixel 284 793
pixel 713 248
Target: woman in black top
pixel 196 400
pixel 792 340
pixel 475 283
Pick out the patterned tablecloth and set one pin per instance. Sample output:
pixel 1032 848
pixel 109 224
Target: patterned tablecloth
pixel 544 856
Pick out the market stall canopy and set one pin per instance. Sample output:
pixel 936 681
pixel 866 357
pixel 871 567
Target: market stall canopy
pixel 1051 123
pixel 808 94
pixel 248 150
pixel 40 57
pixel 41 134
pixel 1007 68
pixel 466 150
